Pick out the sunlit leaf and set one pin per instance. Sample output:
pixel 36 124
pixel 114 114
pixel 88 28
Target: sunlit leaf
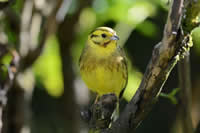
pixel 87 19
pixel 196 39
pixel 140 11
pixel 48 68
pixel 6 59
pixel 4 0
pixel 3 73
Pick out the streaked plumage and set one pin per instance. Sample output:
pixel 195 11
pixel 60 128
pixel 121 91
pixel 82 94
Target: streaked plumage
pixel 102 63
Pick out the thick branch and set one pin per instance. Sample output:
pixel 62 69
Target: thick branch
pixel 102 112
pixel 66 36
pixel 164 57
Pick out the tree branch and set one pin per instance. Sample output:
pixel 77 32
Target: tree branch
pixel 10 77
pixel 165 56
pixel 66 36
pixel 102 112
pixel 14 111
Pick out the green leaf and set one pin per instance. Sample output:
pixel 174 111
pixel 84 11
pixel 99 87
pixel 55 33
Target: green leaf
pixel 4 0
pixel 48 68
pixel 196 39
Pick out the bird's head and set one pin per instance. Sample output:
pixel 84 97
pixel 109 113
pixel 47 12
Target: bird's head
pixel 103 36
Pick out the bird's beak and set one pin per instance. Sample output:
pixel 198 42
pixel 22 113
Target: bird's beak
pixel 115 37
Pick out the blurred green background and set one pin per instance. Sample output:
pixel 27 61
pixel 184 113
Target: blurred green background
pixel 49 105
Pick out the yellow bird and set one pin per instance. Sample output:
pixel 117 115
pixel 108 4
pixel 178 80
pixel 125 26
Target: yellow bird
pixel 102 63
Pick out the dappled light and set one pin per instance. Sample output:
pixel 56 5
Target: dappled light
pixel 42 89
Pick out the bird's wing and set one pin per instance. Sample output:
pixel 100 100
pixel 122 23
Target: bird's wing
pixel 124 61
pixel 82 55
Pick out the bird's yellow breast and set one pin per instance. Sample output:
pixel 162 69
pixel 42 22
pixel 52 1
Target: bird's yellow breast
pixel 107 75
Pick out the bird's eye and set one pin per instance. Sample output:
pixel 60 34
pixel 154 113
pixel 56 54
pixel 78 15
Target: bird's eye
pixel 103 35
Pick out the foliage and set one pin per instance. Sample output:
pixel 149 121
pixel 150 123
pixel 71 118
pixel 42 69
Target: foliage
pixel 48 68
pixel 139 24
